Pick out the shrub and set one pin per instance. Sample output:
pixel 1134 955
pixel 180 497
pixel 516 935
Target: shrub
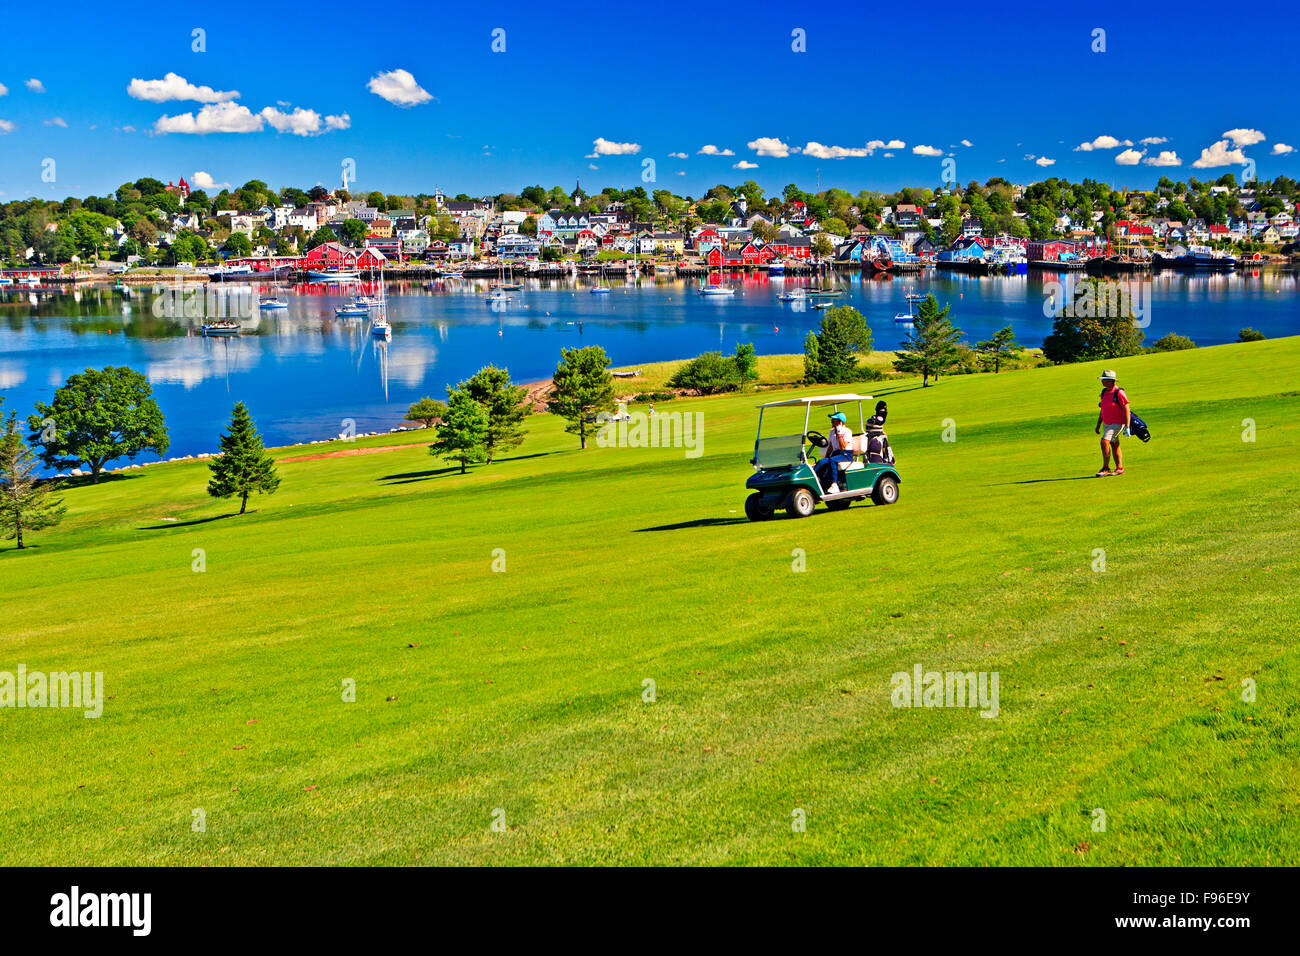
pixel 1173 342
pixel 1250 335
pixel 707 374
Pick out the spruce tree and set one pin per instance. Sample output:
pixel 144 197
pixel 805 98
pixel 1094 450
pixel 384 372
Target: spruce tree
pixel 25 503
pixel 1002 346
pixel 243 467
pixel 463 431
pixel 505 405
pixel 582 387
pixel 932 346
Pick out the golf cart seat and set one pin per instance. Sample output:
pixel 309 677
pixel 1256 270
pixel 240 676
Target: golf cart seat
pixel 851 466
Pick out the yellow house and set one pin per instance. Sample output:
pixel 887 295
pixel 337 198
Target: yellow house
pixel 671 243
pixel 382 227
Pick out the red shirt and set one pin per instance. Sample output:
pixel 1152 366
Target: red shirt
pixel 1112 412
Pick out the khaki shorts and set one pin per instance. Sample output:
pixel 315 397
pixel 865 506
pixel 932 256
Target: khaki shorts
pixel 1111 432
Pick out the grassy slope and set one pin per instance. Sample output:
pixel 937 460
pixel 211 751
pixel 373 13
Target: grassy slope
pixel 623 564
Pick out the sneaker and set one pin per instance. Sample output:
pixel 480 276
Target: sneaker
pixel 1119 471
pixel 1104 473
pixel 834 489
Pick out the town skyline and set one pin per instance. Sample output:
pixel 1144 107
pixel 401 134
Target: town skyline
pixel 495 100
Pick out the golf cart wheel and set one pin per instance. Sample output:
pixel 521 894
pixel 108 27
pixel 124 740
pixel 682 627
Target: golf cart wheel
pixel 800 503
pixel 885 492
pixel 840 505
pixel 756 509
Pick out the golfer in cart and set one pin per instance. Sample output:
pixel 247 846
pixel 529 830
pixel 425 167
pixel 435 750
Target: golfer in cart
pixel 839 451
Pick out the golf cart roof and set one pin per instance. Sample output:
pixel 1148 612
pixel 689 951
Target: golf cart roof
pixel 819 400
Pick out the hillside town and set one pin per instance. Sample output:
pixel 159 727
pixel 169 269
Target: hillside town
pixel 994 227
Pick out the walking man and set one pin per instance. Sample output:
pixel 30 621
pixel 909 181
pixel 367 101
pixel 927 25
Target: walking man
pixel 1114 416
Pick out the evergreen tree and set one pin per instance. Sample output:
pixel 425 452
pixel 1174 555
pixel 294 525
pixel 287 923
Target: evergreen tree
pixel 583 387
pixel 463 431
pixel 932 346
pixel 24 500
pixel 243 467
pixel 811 358
pixel 746 363
pixel 842 335
pixel 1003 345
pixel 505 405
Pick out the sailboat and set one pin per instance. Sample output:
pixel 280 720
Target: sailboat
pixel 274 302
pixel 718 289
pixel 380 328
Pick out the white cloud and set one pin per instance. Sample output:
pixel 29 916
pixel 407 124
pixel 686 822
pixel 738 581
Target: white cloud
pixel 1103 142
pixel 681 172
pixel 1219 155
pixel 1281 149
pixel 1044 161
pixel 176 87
pixel 214 118
pixel 712 150
pixel 128 129
pixel 57 121
pixel 7 127
pixel 399 88
pixel 744 164
pixel 966 142
pixel 677 155
pixel 818 151
pixel 592 166
pixel 926 151
pixel 4 90
pixel 35 85
pixel 889 156
pixel 1244 137
pixel 205 181
pixel 771 146
pixel 1166 157
pixel 303 122
pixel 605 147
pixel 1153 140
pixel 895 144
pixel 1130 157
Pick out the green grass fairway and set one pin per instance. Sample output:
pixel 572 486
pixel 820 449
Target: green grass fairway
pixel 522 692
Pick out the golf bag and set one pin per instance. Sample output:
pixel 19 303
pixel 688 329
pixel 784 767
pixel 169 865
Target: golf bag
pixel 1136 427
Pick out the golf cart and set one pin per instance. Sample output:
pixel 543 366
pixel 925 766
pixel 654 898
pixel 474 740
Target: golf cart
pixel 784 477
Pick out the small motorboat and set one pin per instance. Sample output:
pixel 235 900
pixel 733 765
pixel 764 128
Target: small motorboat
pixel 381 329
pixel 823 305
pixel 600 290
pixel 717 290
pixel 794 295
pixel 498 296
pixel 906 318
pixel 275 302
pixel 353 309
pixel 221 328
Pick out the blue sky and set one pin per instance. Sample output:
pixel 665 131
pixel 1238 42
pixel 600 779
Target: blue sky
pixel 1013 80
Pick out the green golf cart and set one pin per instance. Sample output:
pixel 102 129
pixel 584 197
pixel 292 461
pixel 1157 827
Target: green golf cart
pixel 784 477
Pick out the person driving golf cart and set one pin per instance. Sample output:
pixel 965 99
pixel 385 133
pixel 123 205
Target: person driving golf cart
pixel 839 451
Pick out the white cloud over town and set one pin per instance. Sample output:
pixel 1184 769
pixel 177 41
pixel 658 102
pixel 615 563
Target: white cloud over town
pixel 606 147
pixel 4 90
pixel 677 155
pixel 711 150
pixel 304 122
pixel 744 164
pixel 1282 149
pixel 173 86
pixel 1219 155
pixel 1044 161
pixel 927 151
pixel 204 180
pixel 6 126
pixel 225 117
pixel 399 88
pixel 771 146
pixel 35 85
pixel 1153 140
pixel 57 121
pixel 1103 142
pixel 818 151
pixel 1244 137
pixel 1166 157
pixel 1130 157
